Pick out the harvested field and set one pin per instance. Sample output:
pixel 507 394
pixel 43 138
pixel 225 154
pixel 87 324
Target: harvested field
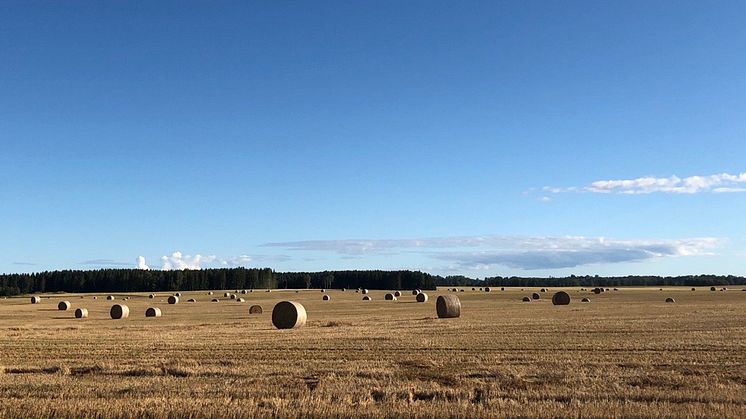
pixel 627 354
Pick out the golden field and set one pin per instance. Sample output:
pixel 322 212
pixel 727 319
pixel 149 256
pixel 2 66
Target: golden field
pixel 627 353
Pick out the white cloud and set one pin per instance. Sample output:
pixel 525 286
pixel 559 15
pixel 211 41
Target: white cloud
pixel 141 263
pixel 719 183
pixel 522 252
pixel 178 261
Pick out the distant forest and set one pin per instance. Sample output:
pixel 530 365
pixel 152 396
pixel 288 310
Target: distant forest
pixel 135 280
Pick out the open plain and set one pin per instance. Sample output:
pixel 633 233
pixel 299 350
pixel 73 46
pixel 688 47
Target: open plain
pixel 626 353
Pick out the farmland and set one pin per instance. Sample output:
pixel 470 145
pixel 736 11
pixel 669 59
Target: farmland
pixel 626 353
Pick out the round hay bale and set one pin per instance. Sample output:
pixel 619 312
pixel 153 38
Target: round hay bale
pixel 397 294
pixel 178 294
pixel 585 300
pixel 227 295
pixel 526 300
pixel 243 291
pixel 389 297
pixel 421 297
pixel 151 296
pixel 81 313
pixel 415 292
pixel 448 306
pixel 543 290
pixel 323 290
pixel 670 300
pixel 326 297
pixel 215 300
pixel 357 290
pixel 35 300
pixel 365 291
pixel 480 289
pixel 210 293
pixel 597 290
pixel 240 300
pixel 616 289
pixel 64 306
pixel 269 290
pixel 173 299
pixel 694 289
pixel 501 289
pixel 191 300
pixel 535 296
pixel 473 289
pixel 487 289
pixel 288 315
pixel 255 309
pixel 110 298
pixel 713 289
pixel 233 296
pixel 561 298
pixel 119 311
pixel 153 312
pixel 95 298
pixel 367 298
pixel 461 290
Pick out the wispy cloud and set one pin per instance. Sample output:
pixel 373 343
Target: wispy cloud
pixel 25 263
pixel 527 252
pixel 719 183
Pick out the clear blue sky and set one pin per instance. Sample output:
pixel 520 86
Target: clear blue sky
pixel 453 137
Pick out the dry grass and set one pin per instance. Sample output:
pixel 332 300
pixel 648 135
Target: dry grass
pixel 629 354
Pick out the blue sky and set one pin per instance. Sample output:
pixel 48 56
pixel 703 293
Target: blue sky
pixel 479 138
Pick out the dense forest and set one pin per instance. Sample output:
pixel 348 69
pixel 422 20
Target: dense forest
pixel 135 280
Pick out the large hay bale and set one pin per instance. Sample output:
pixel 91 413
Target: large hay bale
pixel 326 297
pixel 288 315
pixel 526 299
pixel 389 297
pixel 585 300
pixel 255 309
pixel 367 298
pixel 397 293
pixel 35 300
pixel 173 299
pixel 448 306
pixel 110 298
pixel 153 312
pixel 64 306
pixel 561 298
pixel 670 300
pixel 421 297
pixel 81 313
pixel 119 311
pixel 535 296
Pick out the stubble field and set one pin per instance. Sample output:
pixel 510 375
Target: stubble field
pixel 626 353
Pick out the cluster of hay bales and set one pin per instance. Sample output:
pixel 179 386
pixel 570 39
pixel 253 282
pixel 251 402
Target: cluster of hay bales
pixel 390 297
pixel 64 306
pixel 255 309
pixel 448 306
pixel 119 311
pixel 153 312
pixel 561 298
pixel 288 315
pixel 421 297
pixel 81 313
pixel 173 299
pixel 326 297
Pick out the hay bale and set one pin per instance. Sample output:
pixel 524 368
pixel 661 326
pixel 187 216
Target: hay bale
pixel 240 300
pixel 255 309
pixel 243 291
pixel 35 300
pixel 713 289
pixel 323 290
pixel 397 294
pixel 119 311
pixel 288 315
pixel 151 296
pixel 389 297
pixel 173 299
pixel 421 297
pixel 81 313
pixel 526 300
pixel 210 293
pixel 694 289
pixel 153 312
pixel 64 305
pixel 178 294
pixel 415 292
pixel 110 298
pixel 227 295
pixel 670 300
pixel 269 290
pixel 585 300
pixel 501 289
pixel 561 298
pixel 367 298
pixel 487 289
pixel 597 290
pixel 616 289
pixel 462 290
pixel 95 298
pixel 326 297
pixel 535 296
pixel 233 296
pixel 365 291
pixel 215 300
pixel 473 289
pixel 448 306
pixel 191 300
pixel 543 290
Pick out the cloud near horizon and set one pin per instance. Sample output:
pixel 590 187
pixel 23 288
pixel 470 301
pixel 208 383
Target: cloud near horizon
pixel 719 183
pixel 527 253
pixel 179 261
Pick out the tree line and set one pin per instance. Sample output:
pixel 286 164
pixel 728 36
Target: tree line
pixel 594 281
pixel 136 280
